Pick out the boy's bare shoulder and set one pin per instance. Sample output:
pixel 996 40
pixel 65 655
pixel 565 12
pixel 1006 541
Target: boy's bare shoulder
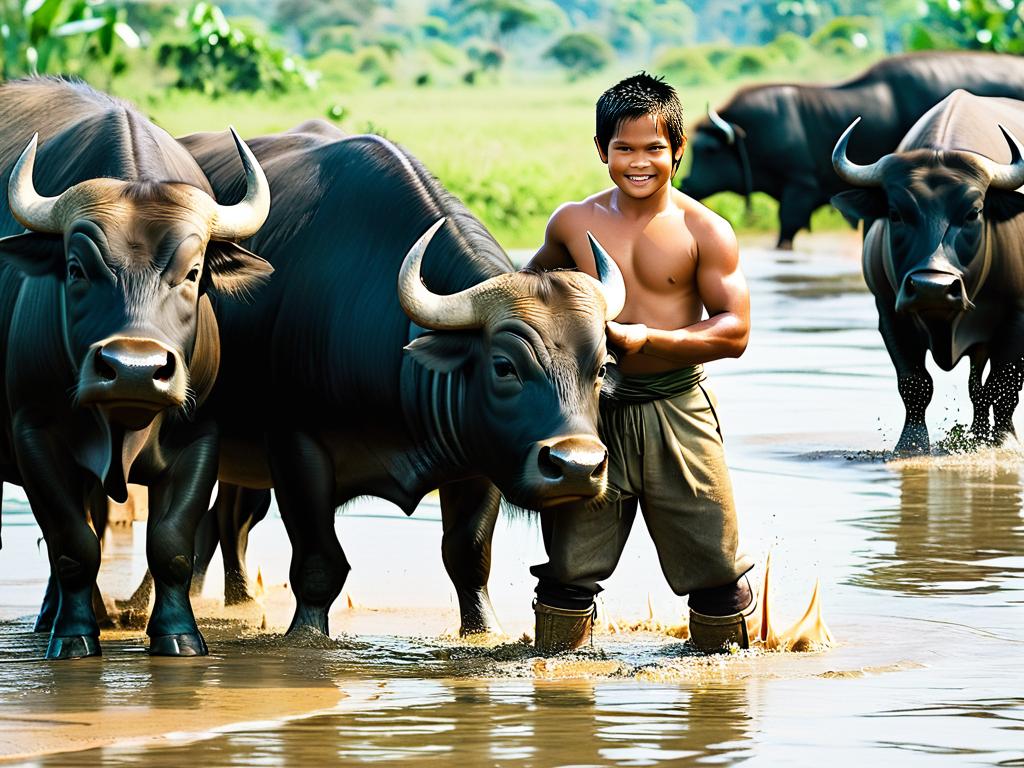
pixel 709 230
pixel 577 214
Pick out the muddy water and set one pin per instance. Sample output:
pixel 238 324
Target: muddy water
pixel 921 564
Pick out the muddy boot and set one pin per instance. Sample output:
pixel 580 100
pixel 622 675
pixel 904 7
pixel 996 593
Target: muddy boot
pixel 713 634
pixel 721 620
pixel 562 629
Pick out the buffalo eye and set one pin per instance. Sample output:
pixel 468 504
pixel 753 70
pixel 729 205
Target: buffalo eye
pixel 193 275
pixel 75 272
pixel 972 215
pixel 503 368
pixel 895 216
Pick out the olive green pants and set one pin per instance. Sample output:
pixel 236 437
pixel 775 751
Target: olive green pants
pixel 665 455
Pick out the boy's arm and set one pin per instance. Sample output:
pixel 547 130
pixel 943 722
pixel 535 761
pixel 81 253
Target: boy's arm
pixel 722 289
pixel 553 254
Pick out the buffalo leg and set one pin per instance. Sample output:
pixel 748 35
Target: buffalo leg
pixel 54 488
pixel 907 351
pixel 177 502
pixel 207 539
pixel 795 208
pixel 303 475
pixel 469 510
pixel 246 508
pixel 981 402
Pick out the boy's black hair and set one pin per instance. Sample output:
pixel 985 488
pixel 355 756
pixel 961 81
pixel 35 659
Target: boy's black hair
pixel 634 97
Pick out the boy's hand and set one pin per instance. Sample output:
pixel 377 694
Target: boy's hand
pixel 630 339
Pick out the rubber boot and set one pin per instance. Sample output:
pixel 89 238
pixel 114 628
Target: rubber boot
pixel 562 629
pixel 714 634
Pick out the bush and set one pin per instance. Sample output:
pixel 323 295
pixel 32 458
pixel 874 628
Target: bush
pixel 685 67
pixel 342 37
pixel 791 46
pixel 861 32
pixel 581 53
pixel 745 62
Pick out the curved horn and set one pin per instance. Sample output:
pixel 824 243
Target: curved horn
pixel 1009 176
pixel 612 285
pixel 239 221
pixel 723 125
pixel 850 172
pixel 428 309
pixel 32 210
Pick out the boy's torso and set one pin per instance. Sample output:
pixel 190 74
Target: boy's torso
pixel 657 256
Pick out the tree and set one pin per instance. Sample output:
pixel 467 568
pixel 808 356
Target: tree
pixel 215 57
pixel 61 36
pixel 581 53
pixel 985 25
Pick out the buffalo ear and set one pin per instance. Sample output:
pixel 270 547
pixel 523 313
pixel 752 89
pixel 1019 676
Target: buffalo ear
pixel 441 352
pixel 861 204
pixel 1001 205
pixel 233 269
pixel 34 253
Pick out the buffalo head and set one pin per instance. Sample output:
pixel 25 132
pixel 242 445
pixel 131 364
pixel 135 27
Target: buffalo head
pixel 717 159
pixel 938 206
pixel 134 259
pixel 531 351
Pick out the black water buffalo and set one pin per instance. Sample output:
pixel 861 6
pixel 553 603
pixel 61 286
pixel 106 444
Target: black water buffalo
pixel 351 398
pixel 778 139
pixel 945 255
pixel 108 340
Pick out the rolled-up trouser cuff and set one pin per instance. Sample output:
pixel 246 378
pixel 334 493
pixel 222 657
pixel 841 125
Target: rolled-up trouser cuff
pixel 564 595
pixel 724 600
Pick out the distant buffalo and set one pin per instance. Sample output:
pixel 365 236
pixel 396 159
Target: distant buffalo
pixel 778 139
pixel 945 255
pixel 108 339
pixel 397 351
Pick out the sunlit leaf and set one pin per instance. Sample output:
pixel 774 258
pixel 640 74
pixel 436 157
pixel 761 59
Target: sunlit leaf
pixel 128 35
pixel 80 27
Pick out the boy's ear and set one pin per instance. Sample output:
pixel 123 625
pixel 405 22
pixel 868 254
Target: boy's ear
pixel 600 152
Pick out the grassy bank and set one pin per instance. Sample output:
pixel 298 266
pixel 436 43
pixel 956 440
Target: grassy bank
pixel 512 152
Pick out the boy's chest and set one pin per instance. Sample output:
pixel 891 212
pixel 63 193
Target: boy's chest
pixel 656 258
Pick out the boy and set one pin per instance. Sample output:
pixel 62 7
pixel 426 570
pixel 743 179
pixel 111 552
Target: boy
pixel 658 420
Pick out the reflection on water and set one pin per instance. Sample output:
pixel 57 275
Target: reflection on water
pixel 958 529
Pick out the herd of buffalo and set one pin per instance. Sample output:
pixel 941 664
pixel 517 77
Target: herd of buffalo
pixel 313 313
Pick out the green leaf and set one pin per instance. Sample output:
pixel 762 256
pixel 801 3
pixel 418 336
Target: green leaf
pixel 80 27
pixel 128 35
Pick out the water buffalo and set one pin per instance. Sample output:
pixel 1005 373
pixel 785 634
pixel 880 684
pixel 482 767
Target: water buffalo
pixel 108 340
pixel 944 257
pixel 353 398
pixel 778 139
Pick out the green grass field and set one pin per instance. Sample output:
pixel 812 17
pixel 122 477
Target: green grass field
pixel 512 152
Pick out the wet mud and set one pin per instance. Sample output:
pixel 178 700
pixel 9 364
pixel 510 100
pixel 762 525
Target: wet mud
pixel 919 561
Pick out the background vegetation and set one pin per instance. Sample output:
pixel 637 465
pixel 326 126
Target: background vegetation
pixel 495 96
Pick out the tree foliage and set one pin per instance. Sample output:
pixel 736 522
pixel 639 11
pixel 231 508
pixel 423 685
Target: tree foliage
pixel 41 36
pixel 581 53
pixel 214 56
pixel 985 25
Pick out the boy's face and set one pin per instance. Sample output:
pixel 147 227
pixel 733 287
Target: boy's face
pixel 640 157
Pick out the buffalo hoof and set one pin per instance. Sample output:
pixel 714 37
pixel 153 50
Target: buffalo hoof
pixel 913 441
pixel 190 644
pixel 73 647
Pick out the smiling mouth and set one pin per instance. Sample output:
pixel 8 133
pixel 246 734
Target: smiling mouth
pixel 640 179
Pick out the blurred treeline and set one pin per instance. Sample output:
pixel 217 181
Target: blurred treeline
pixel 495 96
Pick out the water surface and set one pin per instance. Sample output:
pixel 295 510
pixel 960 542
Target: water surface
pixel 921 563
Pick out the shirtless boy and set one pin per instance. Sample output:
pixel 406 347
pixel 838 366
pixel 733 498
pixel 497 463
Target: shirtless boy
pixel 659 418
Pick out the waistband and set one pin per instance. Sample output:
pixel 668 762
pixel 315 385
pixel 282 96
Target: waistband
pixel 648 387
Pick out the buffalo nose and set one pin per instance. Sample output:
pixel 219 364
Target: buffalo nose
pixel 573 459
pixel 135 362
pixel 930 290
